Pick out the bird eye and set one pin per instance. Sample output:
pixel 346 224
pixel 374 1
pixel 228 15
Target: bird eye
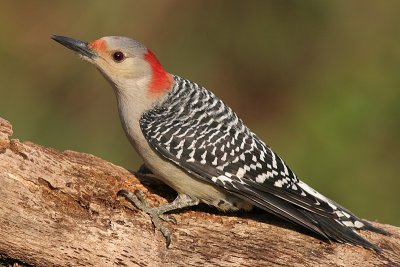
pixel 118 56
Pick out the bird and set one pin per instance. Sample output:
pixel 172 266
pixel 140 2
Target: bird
pixel 196 144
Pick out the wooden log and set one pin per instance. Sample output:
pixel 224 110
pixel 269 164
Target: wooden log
pixel 61 209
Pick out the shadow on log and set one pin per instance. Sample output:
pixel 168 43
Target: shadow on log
pixel 60 209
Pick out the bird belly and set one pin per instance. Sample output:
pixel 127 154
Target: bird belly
pixel 208 193
pixel 184 183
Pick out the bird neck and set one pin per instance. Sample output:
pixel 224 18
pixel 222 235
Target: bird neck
pixel 161 81
pixel 133 101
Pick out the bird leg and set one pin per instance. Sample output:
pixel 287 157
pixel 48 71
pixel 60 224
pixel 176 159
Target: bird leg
pixel 157 214
pixel 143 170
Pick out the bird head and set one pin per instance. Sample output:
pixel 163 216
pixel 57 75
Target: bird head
pixel 125 62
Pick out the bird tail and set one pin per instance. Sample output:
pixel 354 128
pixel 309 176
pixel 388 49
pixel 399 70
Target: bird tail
pixel 370 227
pixel 349 219
pixel 344 231
pixel 340 226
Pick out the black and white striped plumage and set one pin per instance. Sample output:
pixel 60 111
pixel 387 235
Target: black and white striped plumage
pixel 195 130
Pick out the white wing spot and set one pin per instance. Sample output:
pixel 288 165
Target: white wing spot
pixel 180 144
pixel 227 174
pixel 223 179
pixel 221 167
pixel 261 178
pixel 358 224
pixel 224 157
pixel 346 214
pixel 240 173
pixel 278 183
pixel 348 223
pixel 178 156
pixel 262 155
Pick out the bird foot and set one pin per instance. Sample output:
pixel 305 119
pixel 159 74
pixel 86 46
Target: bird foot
pixel 157 214
pixel 138 199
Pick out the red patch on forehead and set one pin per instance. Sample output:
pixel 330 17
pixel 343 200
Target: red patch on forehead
pixel 98 45
pixel 161 80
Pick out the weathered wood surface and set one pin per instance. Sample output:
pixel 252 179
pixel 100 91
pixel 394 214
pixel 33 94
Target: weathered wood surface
pixel 60 209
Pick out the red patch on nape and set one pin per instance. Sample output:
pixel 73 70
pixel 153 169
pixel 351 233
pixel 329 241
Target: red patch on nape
pixel 161 80
pixel 98 45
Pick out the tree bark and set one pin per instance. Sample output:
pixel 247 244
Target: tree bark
pixel 61 209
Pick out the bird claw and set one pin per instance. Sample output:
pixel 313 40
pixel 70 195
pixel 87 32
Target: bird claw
pixel 168 218
pixel 154 211
pixel 141 196
pixel 155 219
pixel 139 199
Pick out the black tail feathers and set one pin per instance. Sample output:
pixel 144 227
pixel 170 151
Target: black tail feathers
pixel 337 231
pixel 370 227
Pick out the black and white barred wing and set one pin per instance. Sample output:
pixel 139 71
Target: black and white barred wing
pixel 198 132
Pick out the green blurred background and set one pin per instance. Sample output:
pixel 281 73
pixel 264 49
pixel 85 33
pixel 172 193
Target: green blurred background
pixel 317 80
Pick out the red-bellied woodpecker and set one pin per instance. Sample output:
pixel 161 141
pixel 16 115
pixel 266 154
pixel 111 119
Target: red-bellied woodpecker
pixel 197 145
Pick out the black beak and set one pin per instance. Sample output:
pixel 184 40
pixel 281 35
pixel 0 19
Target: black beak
pixel 75 45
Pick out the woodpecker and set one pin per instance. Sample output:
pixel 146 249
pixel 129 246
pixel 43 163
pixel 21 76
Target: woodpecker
pixel 196 144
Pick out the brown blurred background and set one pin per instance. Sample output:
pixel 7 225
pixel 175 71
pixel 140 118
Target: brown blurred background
pixel 317 80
